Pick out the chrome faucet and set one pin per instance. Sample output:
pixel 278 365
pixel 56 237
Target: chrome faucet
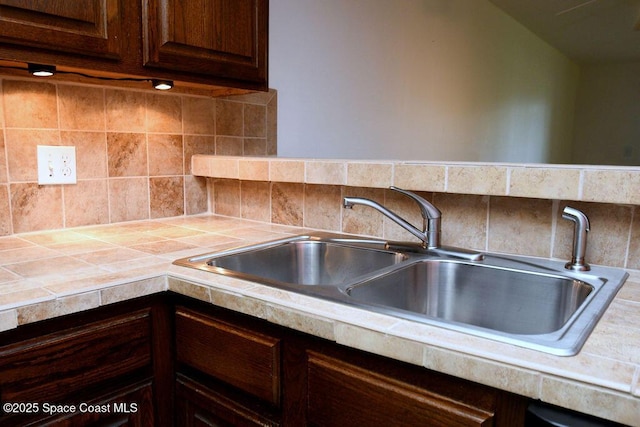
pixel 430 233
pixel 580 230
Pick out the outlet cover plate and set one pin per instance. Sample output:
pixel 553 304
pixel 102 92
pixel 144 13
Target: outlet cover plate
pixel 56 164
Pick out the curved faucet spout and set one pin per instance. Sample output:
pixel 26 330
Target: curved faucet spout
pixel 430 234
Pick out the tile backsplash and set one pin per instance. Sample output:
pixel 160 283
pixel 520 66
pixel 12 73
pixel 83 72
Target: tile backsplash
pixel 133 150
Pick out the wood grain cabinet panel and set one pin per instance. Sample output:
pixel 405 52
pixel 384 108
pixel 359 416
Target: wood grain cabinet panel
pixel 221 38
pixel 56 365
pixel 340 393
pixel 89 27
pixel 243 358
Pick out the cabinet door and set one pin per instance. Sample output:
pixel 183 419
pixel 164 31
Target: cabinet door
pixel 340 393
pixel 218 38
pixel 198 405
pixel 243 358
pixel 51 367
pixel 88 27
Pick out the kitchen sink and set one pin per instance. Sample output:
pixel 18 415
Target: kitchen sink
pixel 303 260
pixel 530 302
pixel 500 299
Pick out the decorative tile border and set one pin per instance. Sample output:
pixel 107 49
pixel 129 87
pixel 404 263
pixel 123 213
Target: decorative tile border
pixel 557 182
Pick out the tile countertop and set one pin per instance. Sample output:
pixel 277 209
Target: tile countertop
pixel 47 274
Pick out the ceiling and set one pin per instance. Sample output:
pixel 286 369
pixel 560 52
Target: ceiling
pixel 587 31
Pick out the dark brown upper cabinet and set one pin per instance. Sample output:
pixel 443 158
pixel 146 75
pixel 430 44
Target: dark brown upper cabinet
pixel 226 38
pixel 93 28
pixel 201 43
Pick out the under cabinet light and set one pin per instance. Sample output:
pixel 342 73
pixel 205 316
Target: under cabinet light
pixel 162 84
pixel 41 70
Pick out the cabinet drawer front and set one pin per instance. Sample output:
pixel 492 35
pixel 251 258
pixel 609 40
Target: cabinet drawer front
pixel 59 364
pixel 343 394
pixel 245 359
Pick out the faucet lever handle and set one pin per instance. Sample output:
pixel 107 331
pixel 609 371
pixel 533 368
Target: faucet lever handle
pixel 427 209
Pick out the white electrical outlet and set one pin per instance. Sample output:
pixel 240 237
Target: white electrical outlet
pixel 56 164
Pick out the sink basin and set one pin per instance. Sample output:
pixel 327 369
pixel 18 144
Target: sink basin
pixel 530 302
pixel 303 261
pixel 505 300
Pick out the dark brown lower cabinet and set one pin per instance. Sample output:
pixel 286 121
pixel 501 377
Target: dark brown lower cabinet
pixel 169 360
pixel 234 370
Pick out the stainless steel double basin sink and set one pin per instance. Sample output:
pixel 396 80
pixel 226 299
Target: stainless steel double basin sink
pixel 530 302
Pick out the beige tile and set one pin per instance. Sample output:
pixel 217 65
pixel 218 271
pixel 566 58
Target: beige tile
pixel 464 220
pixel 193 290
pixel 226 197
pixel 200 166
pixel 255 202
pixel 6 227
pixel 30 104
pixel 633 260
pixel 325 172
pixel 81 108
pixel 229 146
pixel 286 170
pixel 127 154
pixel 287 201
pixel 377 175
pixel 323 207
pixel 363 219
pixel 166 196
pixel 379 343
pixel 520 226
pixel 255 120
pixel 224 167
pixel 8 320
pixel 166 154
pixel 132 290
pixel 86 203
pixel 503 377
pixel 272 124
pixel 196 195
pixel 58 307
pixel 24 296
pixel 22 151
pixel 3 160
pixel 164 113
pixel 302 322
pixel 469 179
pixel 547 183
pixel 254 146
pixel 62 266
pixel 91 152
pixel 229 118
pixel 125 110
pixel 254 170
pixel 199 115
pixel 197 144
pixel 611 186
pixel 128 199
pixel 36 207
pixel 420 177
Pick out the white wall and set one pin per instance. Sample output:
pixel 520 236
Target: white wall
pixel 416 79
pixel 607 124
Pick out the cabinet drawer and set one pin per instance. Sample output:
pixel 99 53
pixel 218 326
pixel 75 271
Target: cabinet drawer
pixel 243 358
pixel 340 393
pixel 58 364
